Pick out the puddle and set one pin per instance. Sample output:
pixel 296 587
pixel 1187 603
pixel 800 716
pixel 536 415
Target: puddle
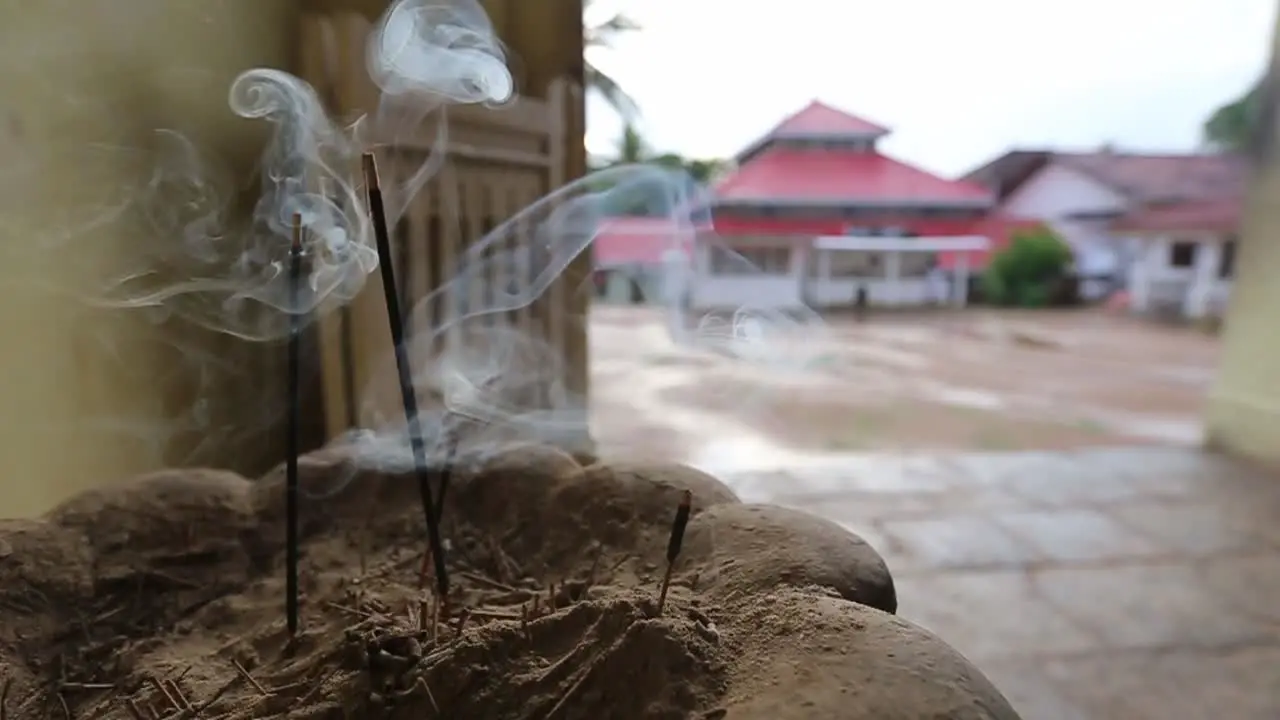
pixel 884 356
pixel 967 398
pixel 1168 430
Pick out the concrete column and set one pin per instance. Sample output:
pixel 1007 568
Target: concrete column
pixel 893 274
pixel 960 282
pixel 1203 278
pixel 799 270
pixel 1140 276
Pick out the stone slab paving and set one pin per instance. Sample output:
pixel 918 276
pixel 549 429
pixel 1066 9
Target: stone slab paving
pixel 1127 583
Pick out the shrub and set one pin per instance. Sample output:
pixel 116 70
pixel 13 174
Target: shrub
pixel 1029 271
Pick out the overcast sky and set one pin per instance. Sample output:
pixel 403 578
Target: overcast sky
pixel 958 81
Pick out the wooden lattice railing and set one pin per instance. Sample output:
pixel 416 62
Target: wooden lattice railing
pixel 497 161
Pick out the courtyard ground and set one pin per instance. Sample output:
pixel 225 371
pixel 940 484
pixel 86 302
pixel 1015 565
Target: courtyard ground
pixel 966 381
pixel 1032 481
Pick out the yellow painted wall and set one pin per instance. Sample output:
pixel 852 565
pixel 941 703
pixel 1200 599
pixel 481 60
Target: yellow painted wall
pixel 91 395
pixel 1244 408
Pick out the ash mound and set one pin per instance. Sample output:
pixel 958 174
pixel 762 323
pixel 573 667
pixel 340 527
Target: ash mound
pixel 164 598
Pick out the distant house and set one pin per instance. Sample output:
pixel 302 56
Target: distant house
pixel 639 259
pixel 1091 198
pixel 815 213
pixel 1185 256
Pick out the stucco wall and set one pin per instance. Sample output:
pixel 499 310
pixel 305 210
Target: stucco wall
pixel 92 395
pixel 1244 407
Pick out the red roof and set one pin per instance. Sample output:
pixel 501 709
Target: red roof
pixel 790 175
pixel 1157 178
pixel 818 118
pixel 639 240
pixel 1220 215
pixel 1142 177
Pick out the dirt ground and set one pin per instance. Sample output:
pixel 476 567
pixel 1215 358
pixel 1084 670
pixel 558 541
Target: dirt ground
pixel 970 380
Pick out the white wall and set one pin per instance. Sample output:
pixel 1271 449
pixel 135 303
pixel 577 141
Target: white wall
pixel 906 292
pixel 803 285
pixel 1196 291
pixel 1057 191
pixel 732 291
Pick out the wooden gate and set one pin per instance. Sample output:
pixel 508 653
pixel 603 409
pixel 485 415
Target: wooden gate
pixel 496 162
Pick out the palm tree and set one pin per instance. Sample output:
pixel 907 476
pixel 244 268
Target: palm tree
pixel 601 35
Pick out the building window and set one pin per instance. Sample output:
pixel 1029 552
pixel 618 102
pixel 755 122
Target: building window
pixel 1182 254
pixel 855 212
pixel 1227 261
pixel 746 261
pixel 856 264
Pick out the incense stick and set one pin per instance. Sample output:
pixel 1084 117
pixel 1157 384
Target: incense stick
pixel 291 452
pixel 408 395
pixel 674 543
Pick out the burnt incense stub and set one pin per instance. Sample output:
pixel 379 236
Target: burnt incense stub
pixel 674 543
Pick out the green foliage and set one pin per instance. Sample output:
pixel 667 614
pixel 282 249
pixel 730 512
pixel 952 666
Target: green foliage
pixel 642 201
pixel 632 147
pixel 1231 126
pixel 1027 272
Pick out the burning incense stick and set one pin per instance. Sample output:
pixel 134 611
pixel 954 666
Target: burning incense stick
pixel 408 396
pixel 674 543
pixel 291 452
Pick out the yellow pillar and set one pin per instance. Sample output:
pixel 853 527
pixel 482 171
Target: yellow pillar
pixel 1244 407
pixel 92 395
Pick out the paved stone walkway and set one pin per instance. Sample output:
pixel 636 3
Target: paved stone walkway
pixel 1119 583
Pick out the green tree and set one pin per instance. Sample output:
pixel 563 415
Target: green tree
pixel 1232 126
pixel 1028 271
pixel 631 147
pixel 602 35
pixel 704 171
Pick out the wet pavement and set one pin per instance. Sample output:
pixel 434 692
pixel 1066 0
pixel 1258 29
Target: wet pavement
pixel 1126 583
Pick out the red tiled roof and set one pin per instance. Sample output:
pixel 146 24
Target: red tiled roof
pixel 826 176
pixel 1219 215
pixel 639 240
pixel 1143 177
pixel 822 119
pixel 1153 178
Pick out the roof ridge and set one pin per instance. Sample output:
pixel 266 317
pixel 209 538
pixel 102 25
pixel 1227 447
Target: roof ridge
pixel 818 103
